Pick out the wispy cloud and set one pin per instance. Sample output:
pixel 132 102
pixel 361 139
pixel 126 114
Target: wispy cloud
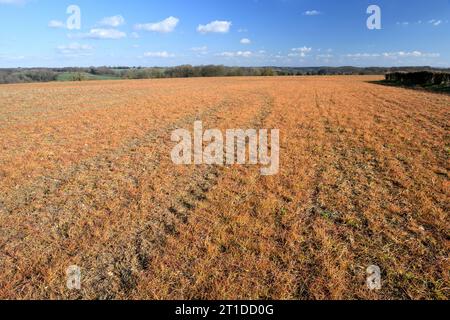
pixel 100 34
pixel 14 2
pixel 215 27
pixel 245 41
pixel 435 22
pixel 324 56
pixel 394 55
pixel 200 51
pixel 11 57
pixel 416 54
pixel 299 52
pixel 363 55
pixel 158 54
pixel 165 26
pixel 230 54
pixel 312 13
pixel 114 21
pixel 75 50
pixel 56 24
pixel 199 48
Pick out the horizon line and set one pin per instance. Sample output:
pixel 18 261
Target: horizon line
pixel 226 66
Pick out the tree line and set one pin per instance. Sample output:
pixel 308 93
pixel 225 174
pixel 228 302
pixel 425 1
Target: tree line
pixel 24 75
pixel 27 75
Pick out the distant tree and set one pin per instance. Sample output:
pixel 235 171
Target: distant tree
pixel 102 71
pixel 78 76
pixel 268 72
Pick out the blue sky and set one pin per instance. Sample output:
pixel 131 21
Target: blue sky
pixel 233 32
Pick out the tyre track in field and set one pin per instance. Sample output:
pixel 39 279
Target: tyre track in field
pixel 400 220
pixel 21 199
pixel 403 158
pixel 50 207
pixel 273 233
pixel 110 272
pixel 358 169
pixel 174 209
pixel 335 178
pixel 315 210
pixel 412 110
pixel 179 257
pixel 195 197
pixel 325 252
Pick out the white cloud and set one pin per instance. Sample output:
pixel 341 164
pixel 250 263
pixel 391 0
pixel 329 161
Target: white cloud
pixel 416 54
pixel 200 49
pixel 362 55
pixel 299 52
pixel 11 57
pixel 436 23
pixel 14 2
pixel 165 26
pixel 245 41
pixel 215 27
pixel 159 54
pixel 302 49
pixel 56 24
pixel 228 54
pixel 394 55
pixel 433 22
pixel 134 35
pixel 75 49
pixel 324 56
pixel 109 34
pixel 114 21
pixel 312 13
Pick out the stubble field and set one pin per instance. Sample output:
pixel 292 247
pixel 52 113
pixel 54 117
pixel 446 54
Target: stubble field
pixel 86 179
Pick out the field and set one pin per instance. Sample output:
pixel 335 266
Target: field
pixel 86 179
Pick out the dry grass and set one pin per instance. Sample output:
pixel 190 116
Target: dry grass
pixel 86 179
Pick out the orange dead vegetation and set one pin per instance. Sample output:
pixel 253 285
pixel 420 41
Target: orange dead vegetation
pixel 86 179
